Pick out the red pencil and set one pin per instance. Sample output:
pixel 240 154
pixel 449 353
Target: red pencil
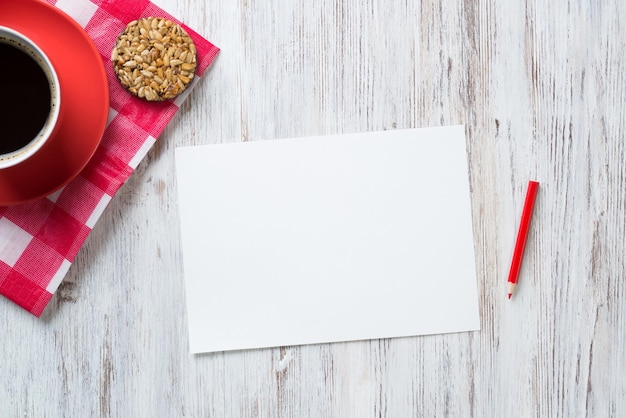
pixel 522 233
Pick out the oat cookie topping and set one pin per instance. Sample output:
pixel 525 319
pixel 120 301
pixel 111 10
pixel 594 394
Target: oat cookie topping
pixel 154 58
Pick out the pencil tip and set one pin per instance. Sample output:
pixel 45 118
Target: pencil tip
pixel 510 294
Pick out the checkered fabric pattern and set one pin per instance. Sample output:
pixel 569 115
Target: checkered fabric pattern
pixel 39 240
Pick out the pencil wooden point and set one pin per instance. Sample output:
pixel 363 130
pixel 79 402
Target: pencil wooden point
pixel 511 289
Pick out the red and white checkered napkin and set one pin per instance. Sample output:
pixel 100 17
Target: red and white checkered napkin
pixel 39 240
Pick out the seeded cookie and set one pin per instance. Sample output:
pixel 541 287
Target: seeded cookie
pixel 154 59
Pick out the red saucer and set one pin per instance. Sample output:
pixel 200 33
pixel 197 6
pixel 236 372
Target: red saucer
pixel 84 101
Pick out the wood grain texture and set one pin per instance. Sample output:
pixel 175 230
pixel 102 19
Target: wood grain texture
pixel 541 88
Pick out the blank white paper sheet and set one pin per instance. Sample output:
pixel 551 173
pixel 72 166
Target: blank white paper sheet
pixel 326 239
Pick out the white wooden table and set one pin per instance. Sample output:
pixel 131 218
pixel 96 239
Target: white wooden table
pixel 541 88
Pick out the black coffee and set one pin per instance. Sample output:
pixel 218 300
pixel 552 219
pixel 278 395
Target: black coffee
pixel 25 102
